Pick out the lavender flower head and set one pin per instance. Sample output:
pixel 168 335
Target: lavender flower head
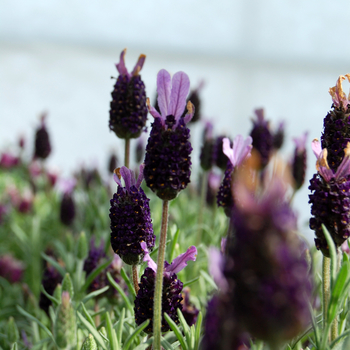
pixel 266 268
pixel 130 216
pixel 168 161
pixel 42 147
pixel 67 207
pixel 278 137
pixel 330 203
pixel 237 154
pixel 11 268
pixel 207 150
pixel 336 133
pixel 172 288
pixel 219 157
pixel 299 161
pixel 128 113
pixel 262 137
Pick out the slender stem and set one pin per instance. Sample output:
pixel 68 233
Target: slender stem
pixel 202 204
pixel 135 278
pixel 127 153
pixel 335 323
pixel 326 287
pixel 157 309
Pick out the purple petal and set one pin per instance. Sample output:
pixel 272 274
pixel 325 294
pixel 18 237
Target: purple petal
pixel 154 112
pixel 337 93
pixel 163 90
pixel 260 115
pixel 300 142
pixel 147 257
pixel 216 264
pixel 316 147
pixel 179 92
pixel 344 167
pixel 121 65
pixel 140 178
pixel 139 65
pixel 180 262
pixel 116 177
pixel 67 185
pixel 240 150
pixel 126 175
pixel 190 112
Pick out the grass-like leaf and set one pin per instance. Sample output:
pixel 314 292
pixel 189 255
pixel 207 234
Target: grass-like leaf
pixel 87 315
pixel 112 336
pixel 173 244
pixel 190 282
pixel 50 297
pixel 137 331
pixel 121 292
pixel 176 330
pixel 94 294
pixel 198 330
pixel 128 283
pixel 166 345
pixel 94 274
pixel 120 326
pixel 55 264
pixel 92 330
pixel 332 253
pixel 208 279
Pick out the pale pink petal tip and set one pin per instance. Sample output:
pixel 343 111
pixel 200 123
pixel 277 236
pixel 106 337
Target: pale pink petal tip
pixel 121 65
pixel 180 262
pixel 147 258
pixel 179 92
pixel 316 147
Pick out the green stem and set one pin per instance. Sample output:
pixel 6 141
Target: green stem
pixel 135 278
pixel 335 323
pixel 157 309
pixel 201 208
pixel 326 287
pixel 127 153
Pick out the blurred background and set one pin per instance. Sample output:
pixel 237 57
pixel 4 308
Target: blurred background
pixel 58 57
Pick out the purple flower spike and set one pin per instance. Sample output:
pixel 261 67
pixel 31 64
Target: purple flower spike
pixel 329 199
pixel 130 216
pixel 128 113
pixel 299 161
pixel 172 288
pixel 167 160
pixel 42 148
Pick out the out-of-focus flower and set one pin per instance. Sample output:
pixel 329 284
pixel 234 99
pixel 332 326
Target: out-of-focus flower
pixel 95 258
pixel 42 147
pixel 299 161
pixel 207 150
pixel 196 101
pixel 130 216
pixel 345 247
pixel 172 288
pixel 262 137
pixel 7 160
pixel 67 207
pixel 330 204
pixel 23 202
pixel 189 310
pixel 278 137
pixel 336 133
pixel 128 113
pixel 11 268
pixel 168 161
pixel 214 182
pixel 112 163
pixel 237 154
pixel 266 268
pixel 219 157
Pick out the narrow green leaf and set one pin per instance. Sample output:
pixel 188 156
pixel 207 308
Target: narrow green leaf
pixel 166 345
pixel 92 330
pixel 198 330
pixel 121 292
pixel 94 294
pixel 128 283
pixel 193 337
pixel 338 292
pixel 332 253
pixel 190 282
pixel 208 279
pixel 21 235
pixel 47 331
pixel 335 341
pixel 50 297
pixel 88 316
pixel 14 346
pixel 184 325
pixel 137 331
pixel 54 263
pixel 173 245
pixel 94 274
pixel 111 333
pixel 154 251
pixel 120 327
pixel 144 345
pixel 176 330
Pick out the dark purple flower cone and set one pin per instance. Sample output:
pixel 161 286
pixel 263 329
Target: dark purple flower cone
pixel 51 279
pixel 131 223
pixel 299 168
pixel 189 311
pixel 220 159
pixel 112 163
pixel 278 137
pixel 42 146
pixel 224 196
pixel 67 209
pixel 168 158
pixel 262 137
pixel 128 113
pixel 330 205
pixel 171 299
pixel 268 272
